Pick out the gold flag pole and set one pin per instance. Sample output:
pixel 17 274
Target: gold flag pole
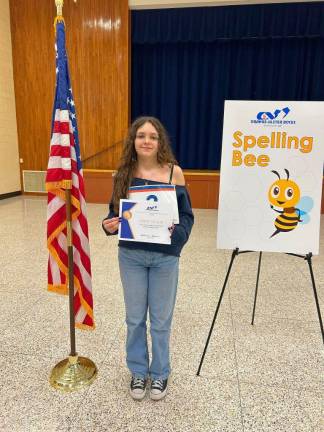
pixel 75 372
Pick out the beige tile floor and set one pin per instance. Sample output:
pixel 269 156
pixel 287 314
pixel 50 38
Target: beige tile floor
pixel 267 377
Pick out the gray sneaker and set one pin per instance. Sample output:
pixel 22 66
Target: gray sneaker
pixel 159 389
pixel 137 388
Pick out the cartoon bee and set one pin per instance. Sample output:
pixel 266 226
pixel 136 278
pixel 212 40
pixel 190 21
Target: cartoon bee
pixel 285 194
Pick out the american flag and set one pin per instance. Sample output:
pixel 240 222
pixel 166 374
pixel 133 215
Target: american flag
pixel 65 172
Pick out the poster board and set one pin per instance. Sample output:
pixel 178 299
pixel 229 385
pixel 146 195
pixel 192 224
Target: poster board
pixel 271 176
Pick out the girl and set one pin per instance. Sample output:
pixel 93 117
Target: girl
pixel 149 271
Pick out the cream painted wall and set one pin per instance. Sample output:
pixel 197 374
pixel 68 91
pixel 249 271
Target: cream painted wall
pixel 9 159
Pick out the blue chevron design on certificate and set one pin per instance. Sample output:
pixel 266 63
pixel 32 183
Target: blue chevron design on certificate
pixel 126 215
pixel 145 221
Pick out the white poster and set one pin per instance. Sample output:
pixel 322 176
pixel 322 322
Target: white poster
pixel 271 176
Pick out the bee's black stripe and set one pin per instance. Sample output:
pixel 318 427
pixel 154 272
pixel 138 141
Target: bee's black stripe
pixel 284 229
pixel 283 216
pixel 285 224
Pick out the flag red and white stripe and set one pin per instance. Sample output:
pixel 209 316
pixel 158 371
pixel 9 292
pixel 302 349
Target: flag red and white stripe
pixel 63 174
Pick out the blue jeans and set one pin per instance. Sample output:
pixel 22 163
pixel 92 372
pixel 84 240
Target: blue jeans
pixel 150 282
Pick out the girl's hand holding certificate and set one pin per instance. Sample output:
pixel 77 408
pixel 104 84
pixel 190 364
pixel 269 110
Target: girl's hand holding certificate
pixel 111 225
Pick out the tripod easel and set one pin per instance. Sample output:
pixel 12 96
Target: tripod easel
pixel 235 253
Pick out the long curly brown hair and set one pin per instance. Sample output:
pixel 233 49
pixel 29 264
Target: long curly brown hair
pixel 128 162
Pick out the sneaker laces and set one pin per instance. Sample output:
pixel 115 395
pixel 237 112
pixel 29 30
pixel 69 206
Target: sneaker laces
pixel 157 384
pixel 138 382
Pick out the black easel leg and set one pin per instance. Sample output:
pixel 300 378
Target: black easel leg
pixel 309 260
pixel 234 253
pixel 256 288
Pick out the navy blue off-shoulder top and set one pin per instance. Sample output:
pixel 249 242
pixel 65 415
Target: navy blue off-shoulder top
pixel 181 231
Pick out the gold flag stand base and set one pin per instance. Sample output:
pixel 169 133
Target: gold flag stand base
pixel 73 374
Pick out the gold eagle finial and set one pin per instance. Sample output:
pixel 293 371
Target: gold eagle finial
pixel 59 7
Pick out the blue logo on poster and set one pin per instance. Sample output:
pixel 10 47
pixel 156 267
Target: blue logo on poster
pixel 266 115
pixel 275 118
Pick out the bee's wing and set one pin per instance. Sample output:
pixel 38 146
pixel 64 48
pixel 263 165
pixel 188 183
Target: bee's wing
pixel 305 205
pixel 305 218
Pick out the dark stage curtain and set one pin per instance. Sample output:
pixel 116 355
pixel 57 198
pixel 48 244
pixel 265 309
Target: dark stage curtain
pixel 186 62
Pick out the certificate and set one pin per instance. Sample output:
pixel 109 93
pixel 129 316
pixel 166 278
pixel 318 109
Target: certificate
pixel 157 193
pixel 144 221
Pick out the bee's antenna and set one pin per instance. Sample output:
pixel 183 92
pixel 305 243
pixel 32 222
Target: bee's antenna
pixel 287 172
pixel 275 172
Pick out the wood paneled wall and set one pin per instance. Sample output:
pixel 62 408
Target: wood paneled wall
pixel 97 39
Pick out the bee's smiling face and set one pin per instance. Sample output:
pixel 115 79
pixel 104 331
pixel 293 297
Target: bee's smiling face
pixel 284 193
